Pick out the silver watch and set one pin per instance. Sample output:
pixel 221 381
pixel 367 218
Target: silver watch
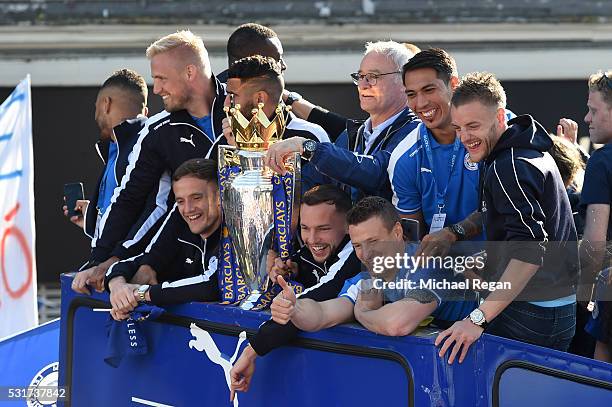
pixel 478 318
pixel 141 291
pixel 308 146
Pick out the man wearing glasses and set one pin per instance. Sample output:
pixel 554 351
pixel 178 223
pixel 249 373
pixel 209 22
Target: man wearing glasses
pixel 360 156
pixel 596 198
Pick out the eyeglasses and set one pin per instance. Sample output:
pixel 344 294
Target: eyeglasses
pixel 604 78
pixel 370 78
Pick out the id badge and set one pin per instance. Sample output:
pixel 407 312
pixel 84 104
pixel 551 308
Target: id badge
pixel 437 222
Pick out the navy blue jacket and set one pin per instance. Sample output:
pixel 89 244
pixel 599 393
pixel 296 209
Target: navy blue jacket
pixel 347 161
pixel 126 135
pixel 527 214
pixel 327 283
pixel 186 264
pixel 166 141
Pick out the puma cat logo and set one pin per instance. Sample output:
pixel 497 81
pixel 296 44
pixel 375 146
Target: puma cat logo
pixel 188 140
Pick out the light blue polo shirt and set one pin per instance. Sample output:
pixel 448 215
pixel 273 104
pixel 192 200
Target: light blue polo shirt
pixel 453 304
pixel 108 183
pixel 412 178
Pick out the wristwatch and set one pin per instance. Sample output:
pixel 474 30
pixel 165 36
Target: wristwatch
pixel 309 147
pixel 141 291
pixel 292 97
pixel 478 318
pixel 458 231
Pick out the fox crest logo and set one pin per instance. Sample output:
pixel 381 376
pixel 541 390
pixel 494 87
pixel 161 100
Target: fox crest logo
pixel 469 164
pixel 46 378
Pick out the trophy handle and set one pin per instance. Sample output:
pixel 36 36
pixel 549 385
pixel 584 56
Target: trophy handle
pixel 228 156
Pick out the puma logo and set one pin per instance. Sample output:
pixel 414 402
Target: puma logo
pixel 204 342
pixel 188 140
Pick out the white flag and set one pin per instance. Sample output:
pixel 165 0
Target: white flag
pixel 18 307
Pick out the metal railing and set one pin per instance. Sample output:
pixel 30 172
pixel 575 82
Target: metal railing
pixel 49 302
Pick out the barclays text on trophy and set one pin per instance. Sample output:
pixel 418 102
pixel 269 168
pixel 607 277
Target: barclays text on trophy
pixel 260 208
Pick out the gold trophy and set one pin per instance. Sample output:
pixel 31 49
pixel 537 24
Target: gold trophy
pixel 248 202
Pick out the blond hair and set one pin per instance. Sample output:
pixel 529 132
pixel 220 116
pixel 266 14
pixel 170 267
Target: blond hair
pixel 597 83
pixel 184 41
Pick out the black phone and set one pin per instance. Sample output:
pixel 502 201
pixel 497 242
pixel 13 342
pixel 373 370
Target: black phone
pixel 72 193
pixel 411 229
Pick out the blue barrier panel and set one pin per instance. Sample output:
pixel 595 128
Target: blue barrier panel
pixel 548 388
pixel 28 359
pixel 192 346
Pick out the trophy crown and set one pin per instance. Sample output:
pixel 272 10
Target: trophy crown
pixel 259 133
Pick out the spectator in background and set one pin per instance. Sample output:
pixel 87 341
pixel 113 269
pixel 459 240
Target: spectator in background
pixel 596 199
pixel 253 39
pixel 190 127
pixel 570 165
pixel 532 242
pixel 121 110
pixel 568 130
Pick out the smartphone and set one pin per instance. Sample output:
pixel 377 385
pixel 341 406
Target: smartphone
pixel 411 229
pixel 72 193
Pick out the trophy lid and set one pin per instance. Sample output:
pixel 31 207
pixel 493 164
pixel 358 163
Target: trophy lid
pixel 259 133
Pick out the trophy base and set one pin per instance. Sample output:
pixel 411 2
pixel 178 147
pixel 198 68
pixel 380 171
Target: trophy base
pixel 249 302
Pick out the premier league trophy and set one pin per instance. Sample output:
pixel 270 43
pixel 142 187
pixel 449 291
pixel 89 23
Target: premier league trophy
pixel 257 204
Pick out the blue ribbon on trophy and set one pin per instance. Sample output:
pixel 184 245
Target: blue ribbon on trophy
pixel 282 197
pixel 231 284
pixel 282 193
pixel 257 207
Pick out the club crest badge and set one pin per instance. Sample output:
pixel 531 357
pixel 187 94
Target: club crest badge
pixel 469 164
pixel 212 264
pixel 44 380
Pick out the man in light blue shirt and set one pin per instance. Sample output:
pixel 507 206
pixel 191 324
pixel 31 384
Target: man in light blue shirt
pixel 433 180
pixel 108 182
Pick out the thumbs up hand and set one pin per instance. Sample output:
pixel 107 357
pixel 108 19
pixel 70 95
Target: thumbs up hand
pixel 283 306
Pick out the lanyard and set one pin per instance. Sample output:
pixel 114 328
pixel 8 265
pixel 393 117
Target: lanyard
pixel 440 197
